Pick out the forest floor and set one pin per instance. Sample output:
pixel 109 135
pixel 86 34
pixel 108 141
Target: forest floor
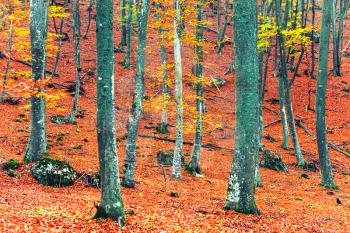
pixel 288 202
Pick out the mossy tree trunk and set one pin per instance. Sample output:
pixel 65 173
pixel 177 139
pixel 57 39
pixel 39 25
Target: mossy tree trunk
pixel 127 60
pixel 283 73
pixel 193 166
pixel 321 92
pixel 241 184
pixel 111 205
pixel 124 30
pixel 38 33
pixel 139 89
pixel 176 170
pixel 163 126
pixel 76 38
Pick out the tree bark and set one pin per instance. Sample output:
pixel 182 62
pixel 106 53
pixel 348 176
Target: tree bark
pixel 139 89
pixel 321 93
pixel 111 205
pixel 38 34
pixel 176 171
pixel 241 184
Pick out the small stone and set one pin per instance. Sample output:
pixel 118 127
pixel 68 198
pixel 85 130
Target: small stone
pixel 174 194
pixel 273 162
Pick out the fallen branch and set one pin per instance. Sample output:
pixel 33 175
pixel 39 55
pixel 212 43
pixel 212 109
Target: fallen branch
pixel 330 144
pixel 272 123
pixel 271 110
pixel 207 146
pixel 25 63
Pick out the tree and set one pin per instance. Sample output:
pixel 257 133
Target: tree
pixel 285 84
pixel 111 199
pixel 38 34
pixel 139 89
pixel 163 125
pixel 76 37
pixel 193 166
pixel 176 171
pixel 325 162
pixel 241 184
pixel 127 61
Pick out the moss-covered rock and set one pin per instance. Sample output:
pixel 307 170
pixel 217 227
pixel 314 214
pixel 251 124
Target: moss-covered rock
pixel 11 164
pixel 271 161
pixel 52 172
pixel 167 157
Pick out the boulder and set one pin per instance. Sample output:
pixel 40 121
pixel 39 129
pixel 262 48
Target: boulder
pixel 166 158
pixel 271 161
pixel 52 172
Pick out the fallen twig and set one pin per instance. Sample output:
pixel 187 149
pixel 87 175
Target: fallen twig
pixel 207 146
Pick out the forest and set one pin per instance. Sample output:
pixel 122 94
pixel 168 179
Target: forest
pixel 174 116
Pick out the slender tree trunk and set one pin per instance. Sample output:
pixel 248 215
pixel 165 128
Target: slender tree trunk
pixel 286 86
pixel 176 171
pixel 194 165
pixel 127 62
pixel 163 126
pixel 38 33
pixel 90 8
pixel 221 35
pixel 9 51
pixel 134 118
pixel 53 73
pixel 326 167
pixel 124 28
pixel 313 41
pixel 111 205
pixel 241 184
pixel 76 37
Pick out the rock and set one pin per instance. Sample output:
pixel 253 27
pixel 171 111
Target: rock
pixel 174 194
pixel 52 172
pixel 166 157
pixel 305 176
pixel 310 166
pixel 10 165
pixel 218 82
pixel 273 162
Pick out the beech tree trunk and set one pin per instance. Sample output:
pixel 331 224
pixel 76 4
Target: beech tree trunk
pixel 37 144
pixel 241 184
pixel 111 205
pixel 139 89
pixel 321 93
pixel 176 171
pixel 193 166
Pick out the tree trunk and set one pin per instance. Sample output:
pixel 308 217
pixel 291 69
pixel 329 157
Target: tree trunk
pixel 111 199
pixel 241 184
pixel 325 162
pixel 38 33
pixel 176 171
pixel 76 38
pixel 134 118
pixel 193 166
pixel 124 29
pixel 127 61
pixel 163 126
pixel 286 85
